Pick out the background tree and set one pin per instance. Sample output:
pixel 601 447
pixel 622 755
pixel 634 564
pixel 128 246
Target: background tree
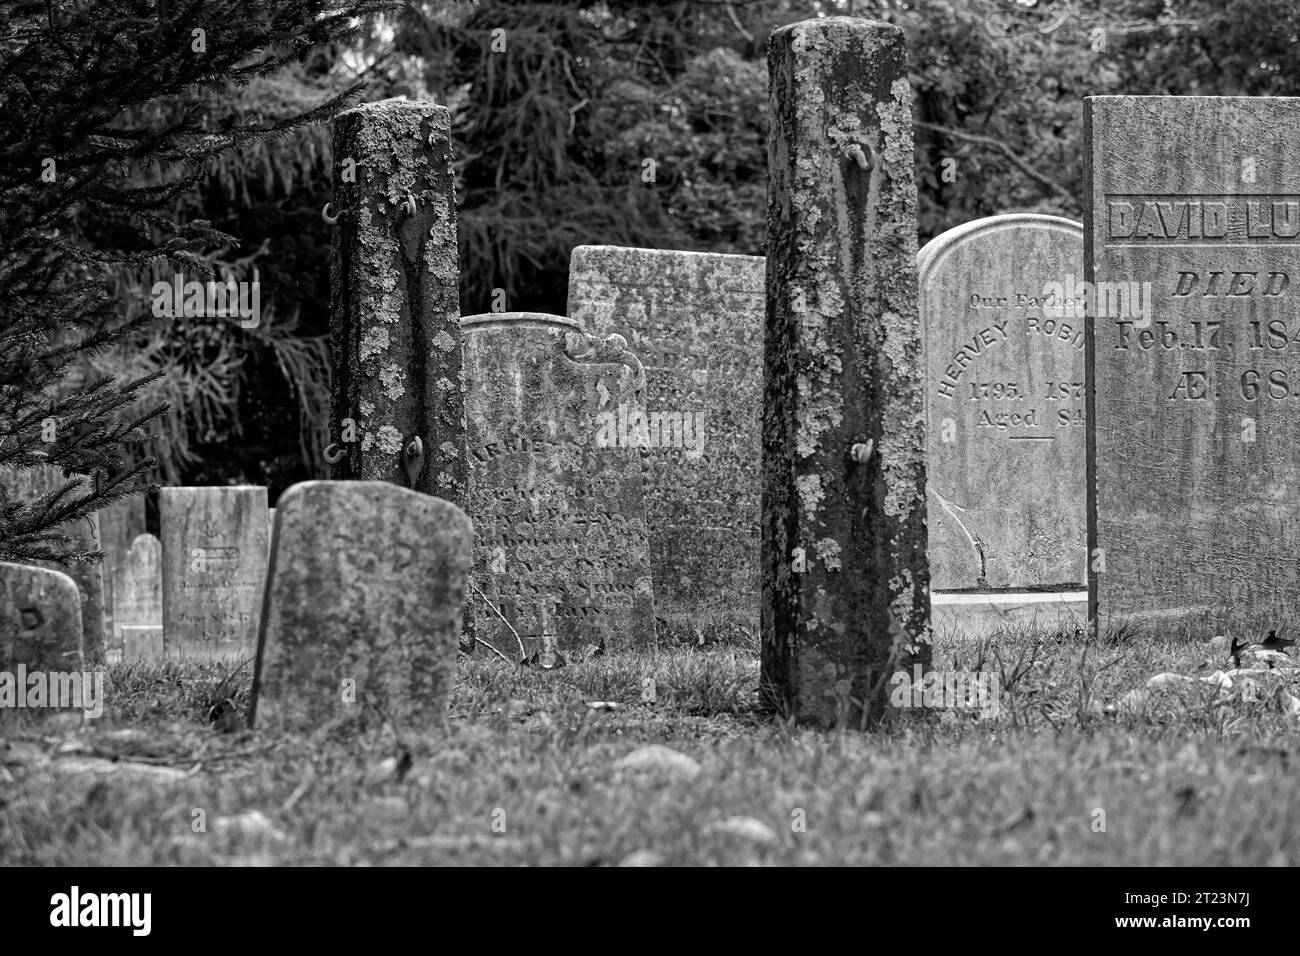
pixel 557 106
pixel 89 166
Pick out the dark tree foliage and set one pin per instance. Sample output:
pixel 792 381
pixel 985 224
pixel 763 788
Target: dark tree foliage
pixel 76 79
pixel 620 122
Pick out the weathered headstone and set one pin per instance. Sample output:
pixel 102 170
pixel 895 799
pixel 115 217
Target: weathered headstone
pixel 31 483
pixel 119 525
pixel 1192 232
pixel 845 579
pixel 695 320
pixel 561 551
pixel 398 409
pixel 363 607
pixel 139 599
pixel 1004 421
pixel 214 569
pixel 40 620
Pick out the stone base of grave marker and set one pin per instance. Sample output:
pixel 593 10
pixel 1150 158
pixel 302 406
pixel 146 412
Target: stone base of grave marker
pixel 976 616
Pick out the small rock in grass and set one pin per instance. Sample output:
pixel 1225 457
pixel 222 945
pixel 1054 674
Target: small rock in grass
pixel 747 828
pixel 251 823
pixel 102 766
pixel 1220 642
pixel 642 858
pixel 661 759
pixel 1166 680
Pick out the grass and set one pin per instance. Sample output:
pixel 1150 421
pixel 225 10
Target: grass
pixel 530 773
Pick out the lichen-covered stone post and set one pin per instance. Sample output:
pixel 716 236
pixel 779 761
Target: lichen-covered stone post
pixel 845 580
pixel 398 410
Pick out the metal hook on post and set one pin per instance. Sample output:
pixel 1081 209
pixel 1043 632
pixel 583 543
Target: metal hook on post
pixel 413 460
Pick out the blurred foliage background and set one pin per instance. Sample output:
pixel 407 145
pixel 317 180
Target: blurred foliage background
pixel 553 131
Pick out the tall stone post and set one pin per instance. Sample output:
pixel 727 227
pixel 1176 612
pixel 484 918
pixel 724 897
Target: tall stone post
pixel 845 580
pixel 398 410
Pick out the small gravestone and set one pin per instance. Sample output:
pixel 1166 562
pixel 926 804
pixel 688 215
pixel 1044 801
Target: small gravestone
pixel 1004 420
pixel 695 320
pixel 40 620
pixel 1193 226
pixel 120 523
pixel 31 483
pixel 845 580
pixel 139 599
pixel 213 569
pixel 363 607
pixel 561 552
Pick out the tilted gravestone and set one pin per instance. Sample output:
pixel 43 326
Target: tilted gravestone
pixel 695 320
pixel 1193 245
pixel 363 607
pixel 214 569
pixel 845 578
pixel 561 551
pixel 31 483
pixel 1005 429
pixel 120 523
pixel 398 396
pixel 139 611
pixel 40 620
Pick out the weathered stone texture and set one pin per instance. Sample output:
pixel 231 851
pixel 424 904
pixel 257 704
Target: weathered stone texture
pixel 363 608
pixel 845 579
pixel 139 611
pixel 561 547
pixel 1004 396
pixel 394 315
pixel 214 569
pixel 696 322
pixel 1194 397
pixel 40 620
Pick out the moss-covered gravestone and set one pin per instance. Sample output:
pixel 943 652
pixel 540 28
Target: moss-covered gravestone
pixel 213 569
pixel 1192 232
pixel 398 400
pixel 845 579
pixel 40 620
pixel 363 608
pixel 695 320
pixel 561 551
pixel 1004 402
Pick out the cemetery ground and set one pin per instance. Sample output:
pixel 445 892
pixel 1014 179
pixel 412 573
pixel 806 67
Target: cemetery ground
pixel 1083 766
